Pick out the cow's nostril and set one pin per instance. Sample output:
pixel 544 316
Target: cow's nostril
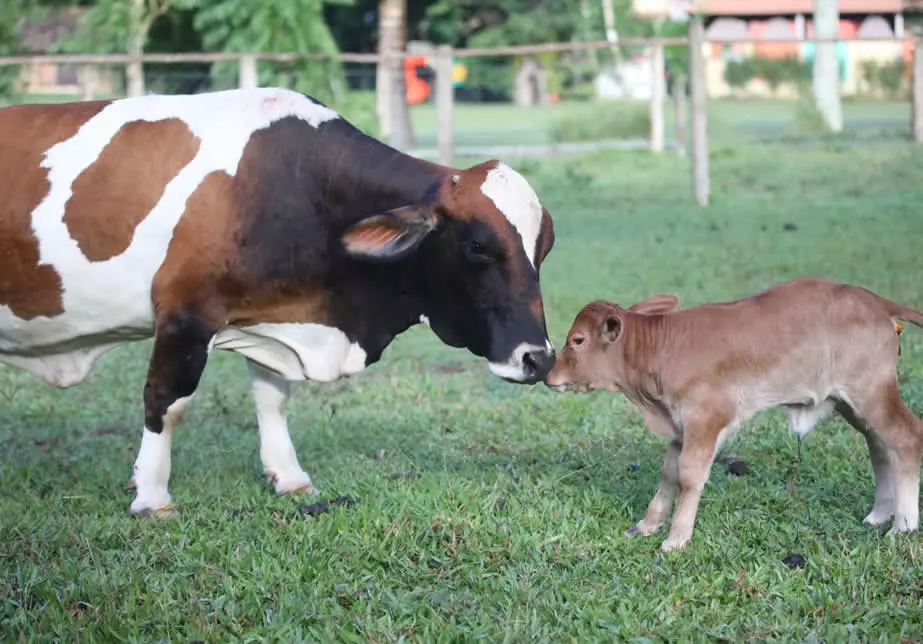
pixel 538 362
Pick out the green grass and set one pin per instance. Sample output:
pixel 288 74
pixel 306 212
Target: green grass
pixel 512 528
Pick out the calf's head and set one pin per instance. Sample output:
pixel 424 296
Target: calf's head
pixel 472 249
pixel 593 356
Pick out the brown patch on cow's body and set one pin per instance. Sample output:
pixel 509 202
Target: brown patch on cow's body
pixel 202 270
pixel 115 194
pixel 28 288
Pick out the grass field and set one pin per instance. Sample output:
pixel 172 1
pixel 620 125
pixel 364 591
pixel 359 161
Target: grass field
pixel 494 512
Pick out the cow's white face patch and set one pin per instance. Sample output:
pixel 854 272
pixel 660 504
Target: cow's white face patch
pixel 514 368
pixel 516 199
pixel 121 286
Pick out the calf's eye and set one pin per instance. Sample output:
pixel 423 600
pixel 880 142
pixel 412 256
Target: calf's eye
pixel 577 341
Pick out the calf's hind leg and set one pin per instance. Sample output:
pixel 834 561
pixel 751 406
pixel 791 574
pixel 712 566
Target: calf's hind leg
pixel 895 438
pixel 179 357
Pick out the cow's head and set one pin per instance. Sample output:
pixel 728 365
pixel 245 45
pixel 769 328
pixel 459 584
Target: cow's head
pixel 475 244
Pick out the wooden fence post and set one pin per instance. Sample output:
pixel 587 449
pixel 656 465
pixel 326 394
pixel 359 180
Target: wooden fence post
pixel 657 91
pixel 445 104
pixel 86 77
pixel 679 97
pixel 246 72
pixel 917 113
pixel 699 110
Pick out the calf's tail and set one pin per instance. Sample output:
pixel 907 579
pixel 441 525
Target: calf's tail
pixel 905 313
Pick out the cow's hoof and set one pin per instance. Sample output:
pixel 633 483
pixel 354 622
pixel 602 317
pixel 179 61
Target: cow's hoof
pixel 298 484
pixel 163 512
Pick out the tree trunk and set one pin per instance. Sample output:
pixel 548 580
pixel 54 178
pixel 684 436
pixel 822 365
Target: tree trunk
pixel 391 93
pixel 135 72
pixel 826 68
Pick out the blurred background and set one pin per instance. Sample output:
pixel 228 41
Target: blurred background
pixel 525 75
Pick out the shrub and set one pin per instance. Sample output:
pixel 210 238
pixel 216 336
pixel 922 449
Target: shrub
pixel 884 78
pixel 775 71
pixel 615 120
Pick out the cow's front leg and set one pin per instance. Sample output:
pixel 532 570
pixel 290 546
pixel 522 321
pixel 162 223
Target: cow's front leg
pixel 179 357
pixel 280 462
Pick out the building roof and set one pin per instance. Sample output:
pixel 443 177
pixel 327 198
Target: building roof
pixel 791 7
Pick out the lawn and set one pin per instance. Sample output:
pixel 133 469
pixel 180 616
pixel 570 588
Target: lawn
pixel 484 509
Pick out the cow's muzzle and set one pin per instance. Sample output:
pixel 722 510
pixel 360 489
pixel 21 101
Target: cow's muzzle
pixel 528 364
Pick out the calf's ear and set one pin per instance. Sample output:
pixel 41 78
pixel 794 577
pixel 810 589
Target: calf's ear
pixel 389 236
pixel 611 328
pixel 655 305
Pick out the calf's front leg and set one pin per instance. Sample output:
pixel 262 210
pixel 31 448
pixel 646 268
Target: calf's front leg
pixel 660 506
pixel 695 461
pixel 280 462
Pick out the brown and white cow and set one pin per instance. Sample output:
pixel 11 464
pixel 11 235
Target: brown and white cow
pixel 810 345
pixel 260 222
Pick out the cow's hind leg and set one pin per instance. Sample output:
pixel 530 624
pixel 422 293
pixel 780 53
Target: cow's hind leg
pixel 280 462
pixel 179 357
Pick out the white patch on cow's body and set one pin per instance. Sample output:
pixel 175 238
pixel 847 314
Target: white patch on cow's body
pixel 152 467
pixel 514 368
pixel 516 199
pixel 109 302
pixel 295 351
pixel 61 370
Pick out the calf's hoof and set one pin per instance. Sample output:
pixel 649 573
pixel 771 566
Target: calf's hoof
pixel 643 528
pixel 877 517
pixel 901 526
pixel 673 544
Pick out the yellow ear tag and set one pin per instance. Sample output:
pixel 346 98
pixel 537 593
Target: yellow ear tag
pixel 899 326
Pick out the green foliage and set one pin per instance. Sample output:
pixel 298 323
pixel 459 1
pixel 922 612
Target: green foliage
pixel 885 79
pixel 611 120
pixel 511 529
pixel 11 16
pixel 273 26
pixel 105 28
pixel 774 71
pixel 497 23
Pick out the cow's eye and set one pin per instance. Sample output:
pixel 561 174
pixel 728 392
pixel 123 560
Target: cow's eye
pixel 477 252
pixel 577 340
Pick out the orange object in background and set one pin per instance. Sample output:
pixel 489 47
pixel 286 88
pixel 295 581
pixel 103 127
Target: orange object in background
pixel 418 90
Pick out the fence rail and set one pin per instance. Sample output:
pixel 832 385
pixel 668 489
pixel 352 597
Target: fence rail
pixel 444 93
pixel 476 52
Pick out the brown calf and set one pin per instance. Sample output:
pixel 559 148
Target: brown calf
pixel 697 374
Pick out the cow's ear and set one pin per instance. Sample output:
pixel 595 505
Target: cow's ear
pixel 545 240
pixel 389 236
pixel 655 305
